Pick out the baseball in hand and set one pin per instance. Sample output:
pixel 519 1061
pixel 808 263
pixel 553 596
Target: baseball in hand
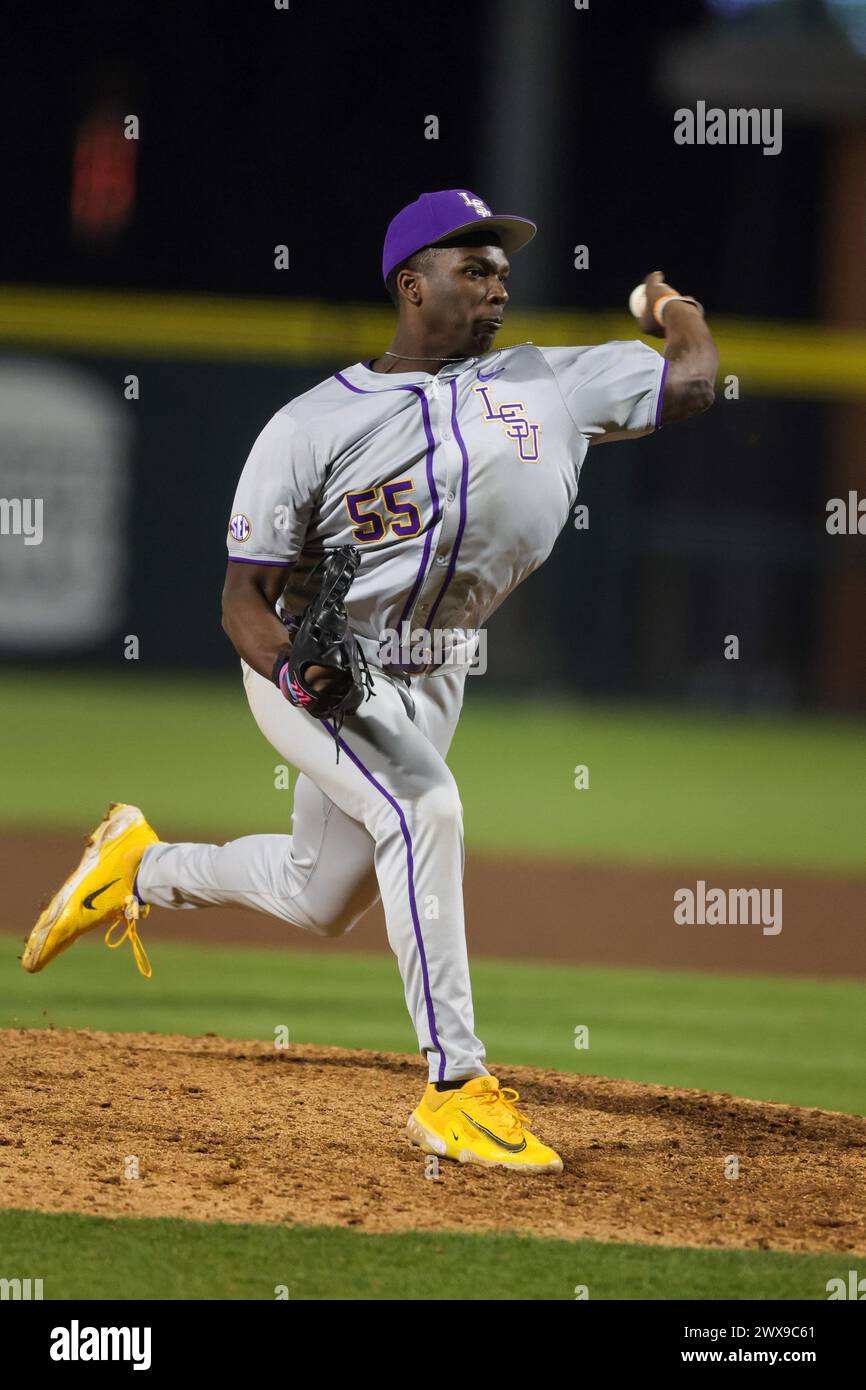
pixel 637 300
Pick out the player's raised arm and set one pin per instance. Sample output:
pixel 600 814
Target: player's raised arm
pixel 690 353
pixel 625 389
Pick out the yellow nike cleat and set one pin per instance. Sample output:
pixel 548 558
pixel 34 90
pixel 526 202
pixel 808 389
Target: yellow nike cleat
pixel 99 893
pixel 479 1123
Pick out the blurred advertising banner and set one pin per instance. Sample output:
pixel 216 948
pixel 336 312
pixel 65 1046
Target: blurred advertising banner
pixel 64 498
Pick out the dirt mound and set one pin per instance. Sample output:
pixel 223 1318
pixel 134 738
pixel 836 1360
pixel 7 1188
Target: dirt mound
pixel 240 1131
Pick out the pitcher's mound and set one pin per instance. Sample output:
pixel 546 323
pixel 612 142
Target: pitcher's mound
pixel 239 1131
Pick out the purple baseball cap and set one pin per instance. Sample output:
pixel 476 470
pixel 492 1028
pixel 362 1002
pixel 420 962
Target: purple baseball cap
pixel 436 216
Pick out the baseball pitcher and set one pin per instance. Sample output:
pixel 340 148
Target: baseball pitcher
pixel 404 495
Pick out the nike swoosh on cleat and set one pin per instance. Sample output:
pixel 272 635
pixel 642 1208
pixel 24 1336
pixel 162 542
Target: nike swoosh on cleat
pixel 503 1143
pixel 90 900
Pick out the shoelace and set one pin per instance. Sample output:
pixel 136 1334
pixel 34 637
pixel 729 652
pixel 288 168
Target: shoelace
pixel 506 1095
pixel 132 913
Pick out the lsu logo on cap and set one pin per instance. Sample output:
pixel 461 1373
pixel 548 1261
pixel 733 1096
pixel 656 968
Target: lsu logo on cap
pixel 476 204
pixel 240 528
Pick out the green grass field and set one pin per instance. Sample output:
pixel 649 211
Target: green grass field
pixel 795 1041
pixel 92 1257
pixel 664 787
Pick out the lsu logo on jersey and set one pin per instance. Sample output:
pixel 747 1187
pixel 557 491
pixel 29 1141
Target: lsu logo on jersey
pixel 512 416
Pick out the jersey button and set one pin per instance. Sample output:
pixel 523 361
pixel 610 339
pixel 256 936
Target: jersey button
pixel 446 434
pixel 442 559
pixel 449 496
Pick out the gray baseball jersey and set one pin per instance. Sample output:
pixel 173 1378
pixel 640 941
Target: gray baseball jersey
pixel 454 487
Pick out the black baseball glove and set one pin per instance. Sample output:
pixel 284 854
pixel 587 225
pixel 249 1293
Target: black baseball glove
pixel 323 638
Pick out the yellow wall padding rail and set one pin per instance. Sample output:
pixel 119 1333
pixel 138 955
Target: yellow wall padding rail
pixel 768 358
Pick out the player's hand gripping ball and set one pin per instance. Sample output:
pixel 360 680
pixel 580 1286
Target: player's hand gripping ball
pixel 648 300
pixel 643 299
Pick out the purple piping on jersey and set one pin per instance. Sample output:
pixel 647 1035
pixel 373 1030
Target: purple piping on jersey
pixel 410 864
pixel 661 394
pixel 464 483
pixel 434 498
pixel 251 560
pixel 418 391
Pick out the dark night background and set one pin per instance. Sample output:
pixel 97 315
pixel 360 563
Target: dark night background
pixel 306 127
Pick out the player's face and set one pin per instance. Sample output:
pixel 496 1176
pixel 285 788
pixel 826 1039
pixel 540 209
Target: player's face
pixel 466 296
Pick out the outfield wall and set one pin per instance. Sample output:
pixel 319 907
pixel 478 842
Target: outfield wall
pixel 131 417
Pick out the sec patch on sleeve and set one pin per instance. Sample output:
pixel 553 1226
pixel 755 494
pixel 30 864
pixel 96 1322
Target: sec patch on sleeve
pixel 240 528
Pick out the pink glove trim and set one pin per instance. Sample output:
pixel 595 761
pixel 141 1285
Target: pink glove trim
pixel 290 688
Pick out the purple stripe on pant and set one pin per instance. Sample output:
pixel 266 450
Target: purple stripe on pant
pixel 416 923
